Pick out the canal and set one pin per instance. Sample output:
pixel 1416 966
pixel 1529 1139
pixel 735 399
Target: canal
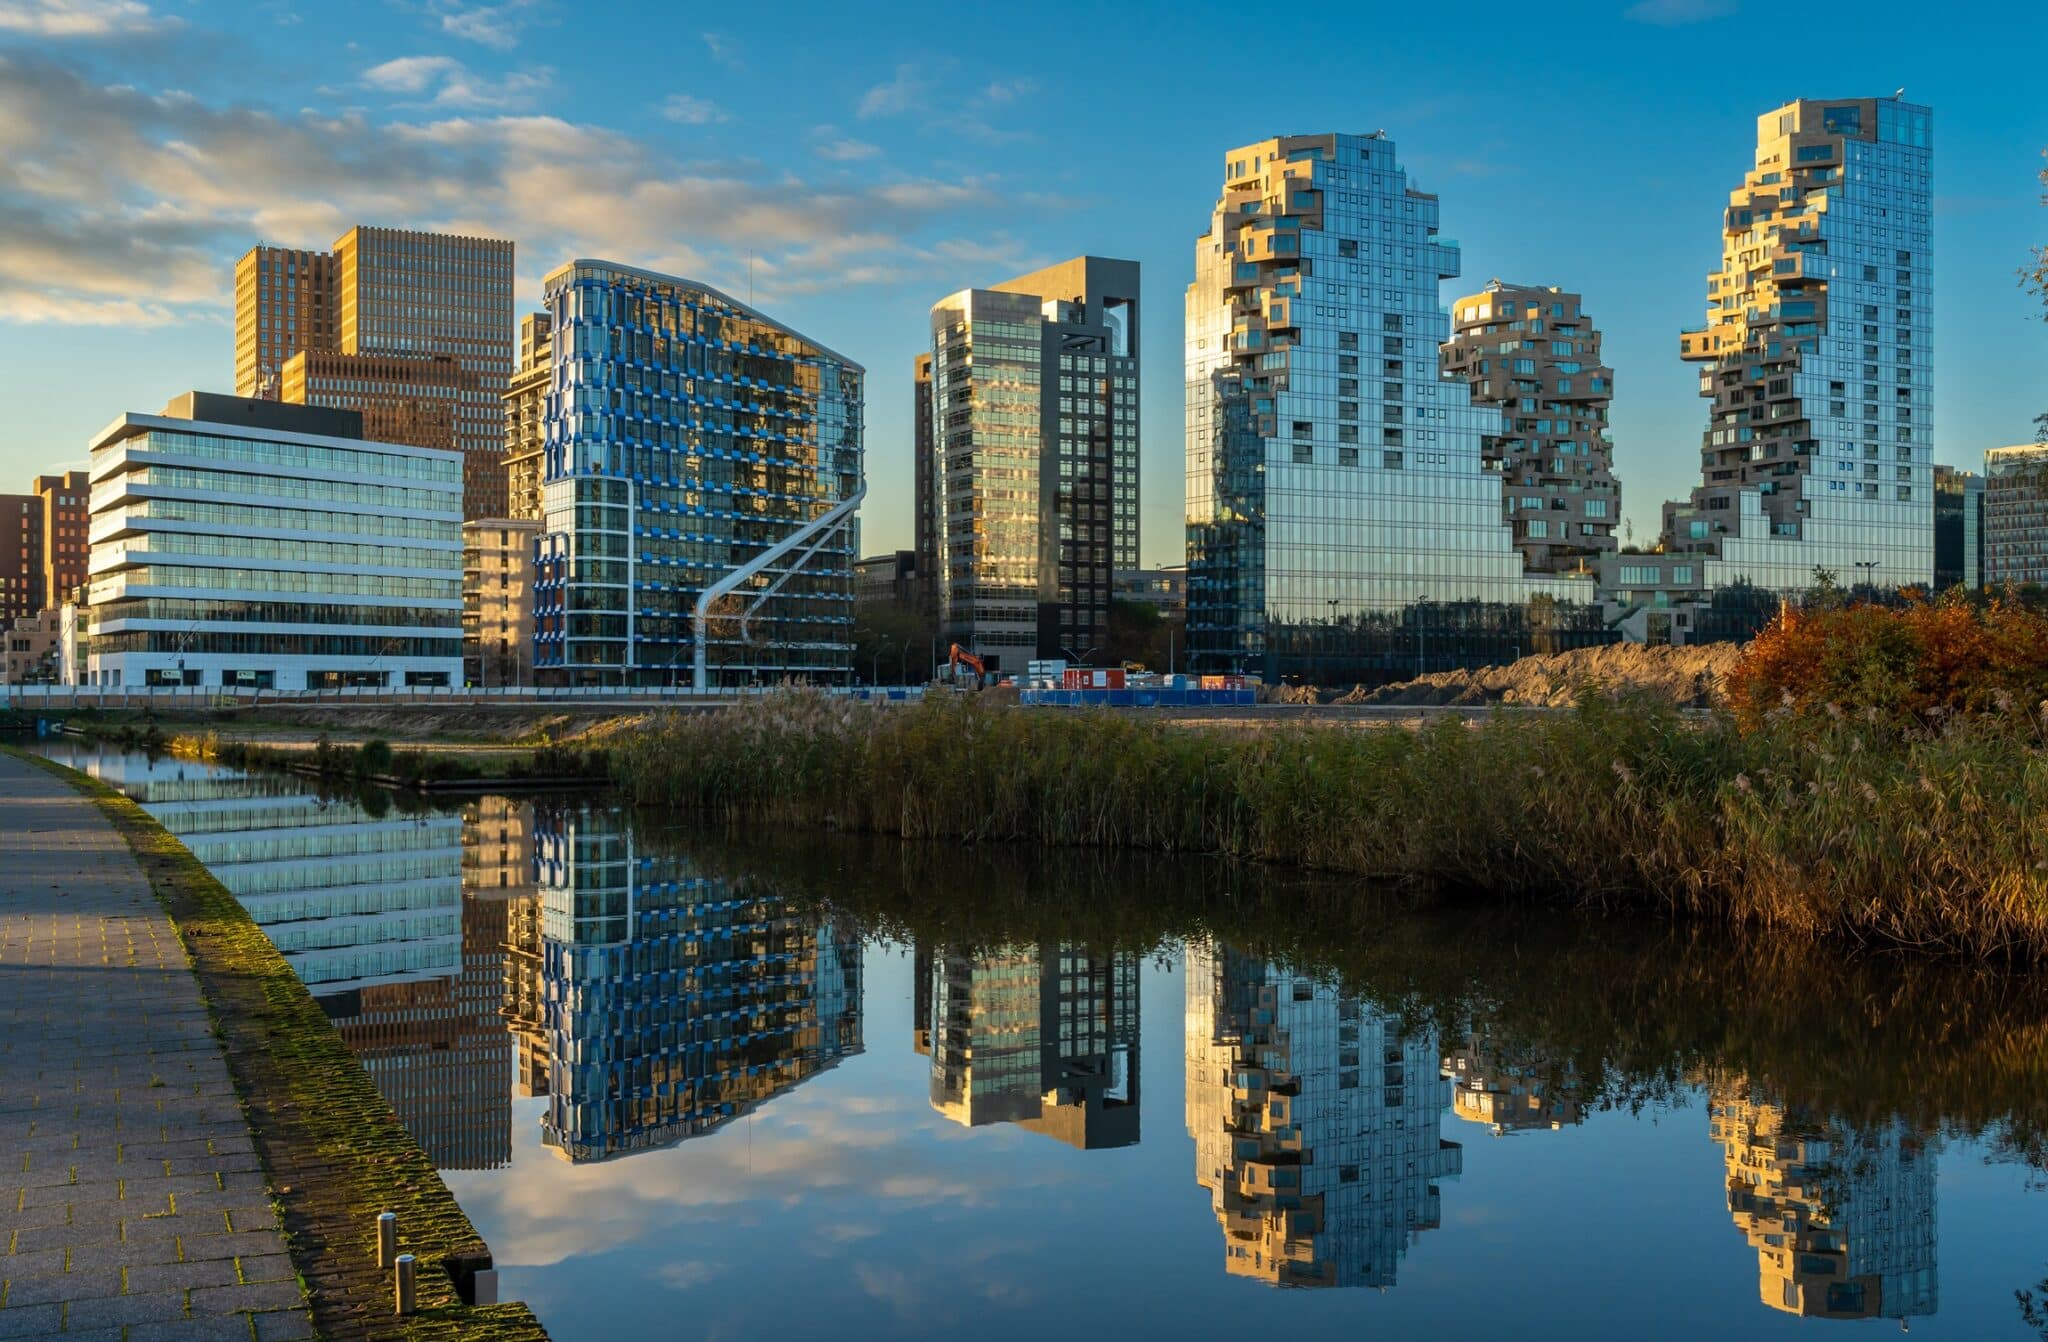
pixel 805 1086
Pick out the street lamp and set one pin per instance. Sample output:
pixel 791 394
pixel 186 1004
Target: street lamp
pixel 1869 567
pixel 1420 601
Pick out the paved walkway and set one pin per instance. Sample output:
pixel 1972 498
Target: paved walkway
pixel 132 1203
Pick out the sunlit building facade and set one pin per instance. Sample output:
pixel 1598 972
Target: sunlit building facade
pixel 1344 523
pixel 1841 1215
pixel 672 1001
pixel 497 600
pixel 1032 504
pixel 1317 1124
pixel 1045 1037
pixel 253 545
pixel 1508 1089
pixel 66 518
pixel 1533 354
pixel 2016 515
pixel 687 434
pixel 526 414
pixel 1817 357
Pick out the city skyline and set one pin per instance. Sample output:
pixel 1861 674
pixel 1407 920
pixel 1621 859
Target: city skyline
pixel 878 183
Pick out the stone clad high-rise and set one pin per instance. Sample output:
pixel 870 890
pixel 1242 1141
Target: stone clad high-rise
pixel 1817 357
pixel 1343 521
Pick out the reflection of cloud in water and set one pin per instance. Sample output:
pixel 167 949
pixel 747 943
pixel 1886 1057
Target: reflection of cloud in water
pixel 810 1149
pixel 688 1275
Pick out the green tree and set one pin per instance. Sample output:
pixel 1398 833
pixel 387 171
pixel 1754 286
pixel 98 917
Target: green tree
pixel 892 642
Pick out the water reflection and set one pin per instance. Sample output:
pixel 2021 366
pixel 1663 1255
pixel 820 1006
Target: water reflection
pixel 1316 1122
pixel 670 999
pixel 1841 1215
pixel 1042 1036
pixel 540 987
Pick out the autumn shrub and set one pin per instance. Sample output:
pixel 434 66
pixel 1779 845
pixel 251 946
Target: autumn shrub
pixel 1914 665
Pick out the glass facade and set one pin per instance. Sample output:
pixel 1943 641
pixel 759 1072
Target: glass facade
pixel 1958 529
pixel 1033 459
pixel 2015 536
pixel 671 1000
pixel 240 554
pixel 686 434
pixel 1343 522
pixel 1817 358
pixel 1317 1123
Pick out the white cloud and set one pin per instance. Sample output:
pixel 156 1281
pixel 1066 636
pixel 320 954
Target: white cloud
pixel 1008 90
pixel 451 83
pixel 692 111
pixel 899 95
pixel 79 18
pixel 1672 13
pixel 495 26
pixel 847 150
pixel 724 51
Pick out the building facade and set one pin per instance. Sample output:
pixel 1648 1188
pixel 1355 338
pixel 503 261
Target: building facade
pixel 1042 1036
pixel 688 435
pixel 1533 354
pixel 1344 524
pixel 1958 529
pixel 887 580
pixel 1317 1124
pixel 255 545
pixel 286 300
pixel 526 413
pixel 497 600
pixel 63 534
pixel 924 483
pixel 407 327
pixel 1033 465
pixel 32 650
pixel 1817 357
pixel 2015 515
pixel 21 557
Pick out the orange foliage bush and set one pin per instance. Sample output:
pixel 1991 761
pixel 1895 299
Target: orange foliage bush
pixel 1918 662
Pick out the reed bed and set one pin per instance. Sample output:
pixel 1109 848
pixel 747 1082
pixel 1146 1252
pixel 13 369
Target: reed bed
pixel 1817 826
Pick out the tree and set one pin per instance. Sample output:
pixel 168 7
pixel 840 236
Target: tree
pixel 2034 278
pixel 891 641
pixel 1140 632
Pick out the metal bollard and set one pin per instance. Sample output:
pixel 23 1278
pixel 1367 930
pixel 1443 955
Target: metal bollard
pixel 407 1281
pixel 387 1238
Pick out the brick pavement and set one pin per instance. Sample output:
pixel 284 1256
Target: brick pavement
pixel 132 1202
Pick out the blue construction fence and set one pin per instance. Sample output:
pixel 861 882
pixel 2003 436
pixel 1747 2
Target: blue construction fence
pixel 1147 697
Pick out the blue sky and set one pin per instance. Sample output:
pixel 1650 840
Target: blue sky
pixel 850 166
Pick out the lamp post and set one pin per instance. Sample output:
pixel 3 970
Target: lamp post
pixel 1420 660
pixel 1869 567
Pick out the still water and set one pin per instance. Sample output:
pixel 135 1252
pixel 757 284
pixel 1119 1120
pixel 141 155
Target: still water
pixel 694 1086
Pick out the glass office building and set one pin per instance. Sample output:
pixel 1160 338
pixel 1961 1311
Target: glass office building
pixel 1344 523
pixel 686 435
pixel 256 545
pixel 672 1000
pixel 1317 1123
pixel 1032 458
pixel 1817 358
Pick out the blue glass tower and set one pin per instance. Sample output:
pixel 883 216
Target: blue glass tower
pixel 686 435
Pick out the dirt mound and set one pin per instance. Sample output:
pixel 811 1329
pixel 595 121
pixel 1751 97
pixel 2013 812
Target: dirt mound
pixel 1690 677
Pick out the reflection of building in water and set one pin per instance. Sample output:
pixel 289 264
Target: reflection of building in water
pixel 367 906
pixel 1045 1037
pixel 1841 1217
pixel 1316 1124
pixel 1510 1090
pixel 671 1000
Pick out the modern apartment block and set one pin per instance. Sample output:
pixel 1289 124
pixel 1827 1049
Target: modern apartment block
pixel 372 316
pixel 924 487
pixel 526 414
pixel 1042 1036
pixel 1533 354
pixel 1033 464
pixel 21 557
pixel 1958 529
pixel 1817 357
pixel 1344 523
pixel 63 534
pixel 497 600
pixel 1841 1216
pixel 688 437
pixel 2015 515
pixel 1511 1089
pixel 251 544
pixel 1317 1123
pixel 674 1001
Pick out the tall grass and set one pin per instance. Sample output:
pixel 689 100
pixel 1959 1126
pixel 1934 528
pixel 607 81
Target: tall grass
pixel 1835 826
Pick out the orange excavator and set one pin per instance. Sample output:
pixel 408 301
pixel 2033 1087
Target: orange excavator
pixel 960 657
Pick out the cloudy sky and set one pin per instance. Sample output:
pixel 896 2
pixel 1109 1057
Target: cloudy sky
pixel 849 168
